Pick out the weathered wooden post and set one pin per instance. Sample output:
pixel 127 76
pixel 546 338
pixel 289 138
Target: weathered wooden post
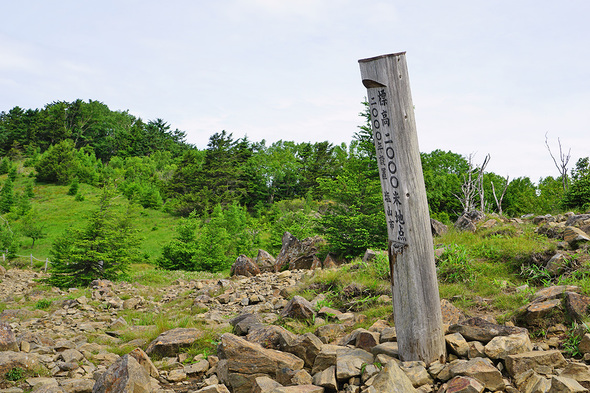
pixel 416 302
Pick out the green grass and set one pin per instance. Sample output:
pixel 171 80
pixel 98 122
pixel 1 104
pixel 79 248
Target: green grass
pixel 57 211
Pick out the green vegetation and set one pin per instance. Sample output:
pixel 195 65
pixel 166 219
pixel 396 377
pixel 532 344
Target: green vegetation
pixel 198 209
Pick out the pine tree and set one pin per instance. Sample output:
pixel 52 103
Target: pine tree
pixel 7 196
pixel 103 249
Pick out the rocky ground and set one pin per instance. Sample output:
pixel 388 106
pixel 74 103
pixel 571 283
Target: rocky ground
pixel 74 342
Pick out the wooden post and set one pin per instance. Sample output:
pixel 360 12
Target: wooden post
pixel 46 263
pixel 31 261
pixel 416 302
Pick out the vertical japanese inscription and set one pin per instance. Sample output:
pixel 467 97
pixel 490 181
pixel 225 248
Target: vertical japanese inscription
pixel 388 169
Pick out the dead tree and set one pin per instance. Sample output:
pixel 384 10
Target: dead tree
pixel 480 173
pixel 564 160
pixel 472 185
pixel 499 202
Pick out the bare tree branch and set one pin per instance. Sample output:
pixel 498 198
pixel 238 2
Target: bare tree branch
pixel 564 159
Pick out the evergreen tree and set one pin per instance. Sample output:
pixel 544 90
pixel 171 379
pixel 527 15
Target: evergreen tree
pixel 102 250
pixel 7 196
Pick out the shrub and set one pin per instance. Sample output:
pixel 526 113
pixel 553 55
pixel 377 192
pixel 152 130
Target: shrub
pixel 454 265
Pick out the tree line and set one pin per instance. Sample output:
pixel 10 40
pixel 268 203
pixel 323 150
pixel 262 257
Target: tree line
pixel 236 195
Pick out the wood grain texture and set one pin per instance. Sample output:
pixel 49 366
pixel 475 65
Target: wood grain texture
pixel 416 303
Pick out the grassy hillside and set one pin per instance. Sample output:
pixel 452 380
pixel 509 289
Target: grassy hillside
pixel 56 211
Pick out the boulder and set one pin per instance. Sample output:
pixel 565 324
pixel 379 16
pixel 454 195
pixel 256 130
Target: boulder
pixel 537 361
pixel 144 361
pixel 11 359
pixel 438 228
pixel 170 342
pixel 241 362
pixel 350 363
pixel 269 336
pixel 450 314
pixel 457 344
pixel 463 384
pixel 579 372
pixel 244 266
pixel 296 254
pixel 326 378
pixel 125 375
pixel 7 338
pixel 468 221
pixel 501 346
pixel 481 369
pixel 306 347
pixel 479 329
pixel 531 382
pixel 244 322
pixel 298 308
pixel 565 385
pixel 576 305
pixel 575 236
pixel 391 379
pixel 556 264
pixel 265 261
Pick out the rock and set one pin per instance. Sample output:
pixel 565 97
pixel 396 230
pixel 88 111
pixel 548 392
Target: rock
pixel 241 362
pixel 176 375
pixel 482 370
pixel 479 329
pixel 488 224
pixel 391 379
pixel 329 332
pixel 531 382
pixel 556 265
pixel 244 266
pixel 7 338
pixel 78 385
pixel 125 375
pixel 369 255
pixel 350 363
pixel 71 355
pixel 327 357
pixel 2 271
pixel 584 345
pixel 265 262
pixel 132 304
pixel 243 322
pixel 387 348
pixel 438 228
pixel 462 384
pixel 298 308
pixel 417 373
pixel 199 367
pixel 170 342
pixel 12 359
pixel 457 344
pixel 269 336
pixel 298 389
pixel 330 262
pixel 297 254
pixel 264 384
pixel 476 350
pixel 306 347
pixel 576 305
pixel 565 385
pixel 144 361
pixel 326 378
pixel 534 360
pixel 578 372
pixel 468 221
pixel 553 292
pixel 575 236
pixel 501 346
pixel 217 388
pixel 450 314
pixel 535 314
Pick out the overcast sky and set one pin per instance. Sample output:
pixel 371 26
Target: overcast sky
pixel 486 76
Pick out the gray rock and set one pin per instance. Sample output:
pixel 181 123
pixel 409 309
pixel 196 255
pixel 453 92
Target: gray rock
pixel 298 308
pixel 244 266
pixel 125 375
pixel 534 360
pixel 11 359
pixel 457 344
pixel 170 342
pixel 7 338
pixel 350 363
pixel 482 370
pixel 326 378
pixel 77 385
pixel 501 346
pixel 391 379
pixel 462 384
pixel 306 347
pixel 565 385
pixel 478 329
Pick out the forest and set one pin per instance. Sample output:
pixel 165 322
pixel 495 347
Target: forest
pixel 235 195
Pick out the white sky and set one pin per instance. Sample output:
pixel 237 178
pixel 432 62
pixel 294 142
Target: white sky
pixel 486 76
